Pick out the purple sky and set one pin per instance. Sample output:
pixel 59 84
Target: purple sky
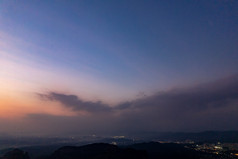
pixel 92 67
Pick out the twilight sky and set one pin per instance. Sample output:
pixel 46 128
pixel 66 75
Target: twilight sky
pixel 88 67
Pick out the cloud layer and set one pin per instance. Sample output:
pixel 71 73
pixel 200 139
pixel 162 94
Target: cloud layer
pixel 75 103
pixel 212 105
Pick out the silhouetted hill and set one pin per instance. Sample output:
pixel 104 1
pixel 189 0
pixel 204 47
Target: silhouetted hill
pixel 151 150
pixel 166 151
pixel 16 154
pixel 98 151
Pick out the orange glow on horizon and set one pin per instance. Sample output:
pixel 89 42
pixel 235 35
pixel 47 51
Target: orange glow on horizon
pixel 13 107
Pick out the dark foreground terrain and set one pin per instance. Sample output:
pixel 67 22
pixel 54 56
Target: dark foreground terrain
pixel 152 150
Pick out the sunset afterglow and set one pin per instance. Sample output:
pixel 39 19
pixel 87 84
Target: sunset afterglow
pixel 105 66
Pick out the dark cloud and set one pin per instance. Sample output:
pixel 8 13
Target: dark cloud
pixel 75 103
pixel 212 105
pixel 198 98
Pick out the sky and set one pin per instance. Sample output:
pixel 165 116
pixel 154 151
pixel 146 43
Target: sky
pixel 117 67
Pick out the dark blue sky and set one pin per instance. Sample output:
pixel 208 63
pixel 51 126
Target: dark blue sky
pixel 116 51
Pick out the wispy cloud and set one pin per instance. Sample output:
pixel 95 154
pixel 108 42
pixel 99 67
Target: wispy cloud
pixel 206 106
pixel 75 103
pixel 201 97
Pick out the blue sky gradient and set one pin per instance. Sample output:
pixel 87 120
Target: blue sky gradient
pixel 116 51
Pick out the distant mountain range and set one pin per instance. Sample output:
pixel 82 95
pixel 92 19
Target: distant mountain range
pixel 150 150
pixel 125 146
pixel 206 136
